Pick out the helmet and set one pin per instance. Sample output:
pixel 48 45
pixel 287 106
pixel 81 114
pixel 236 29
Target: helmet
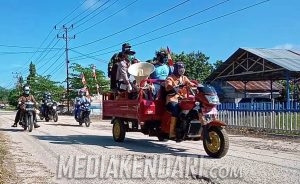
pixel 26 90
pixel 179 68
pixel 81 92
pixel 161 56
pixel 48 95
pixel 45 95
pixel 126 46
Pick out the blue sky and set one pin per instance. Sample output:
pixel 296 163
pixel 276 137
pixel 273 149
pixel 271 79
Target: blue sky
pixel 101 26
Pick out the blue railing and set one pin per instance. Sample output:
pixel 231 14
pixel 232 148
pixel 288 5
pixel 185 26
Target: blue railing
pixel 277 106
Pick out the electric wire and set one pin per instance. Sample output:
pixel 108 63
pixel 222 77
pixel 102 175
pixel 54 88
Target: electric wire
pixel 106 18
pixel 53 63
pixel 190 27
pixel 71 12
pixel 91 12
pixel 97 13
pixel 82 12
pixel 179 20
pixel 134 25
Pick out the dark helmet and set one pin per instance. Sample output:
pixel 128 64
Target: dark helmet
pixel 179 68
pixel 126 46
pixel 26 90
pixel 161 56
pixel 81 92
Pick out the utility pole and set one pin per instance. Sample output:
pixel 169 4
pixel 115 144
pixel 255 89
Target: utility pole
pixel 67 38
pixel 18 76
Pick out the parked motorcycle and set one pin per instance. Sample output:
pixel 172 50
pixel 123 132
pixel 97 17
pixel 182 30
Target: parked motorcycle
pixel 84 115
pixel 50 112
pixel 27 120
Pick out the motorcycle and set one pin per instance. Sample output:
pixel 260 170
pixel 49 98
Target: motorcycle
pixel 27 120
pixel 50 112
pixel 204 99
pixel 84 115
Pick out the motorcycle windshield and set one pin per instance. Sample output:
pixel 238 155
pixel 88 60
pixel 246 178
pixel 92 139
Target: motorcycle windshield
pixel 207 89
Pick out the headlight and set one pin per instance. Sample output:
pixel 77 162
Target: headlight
pixel 54 107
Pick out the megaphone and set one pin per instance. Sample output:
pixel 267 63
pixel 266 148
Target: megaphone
pixel 140 71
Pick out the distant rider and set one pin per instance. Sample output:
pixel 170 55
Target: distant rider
pixel 47 97
pixel 26 96
pixel 78 101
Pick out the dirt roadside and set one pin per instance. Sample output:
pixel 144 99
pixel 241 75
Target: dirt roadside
pixel 6 175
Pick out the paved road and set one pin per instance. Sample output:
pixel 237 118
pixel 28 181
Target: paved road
pixel 63 152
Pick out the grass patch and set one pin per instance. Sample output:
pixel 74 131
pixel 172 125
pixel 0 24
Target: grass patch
pixel 262 133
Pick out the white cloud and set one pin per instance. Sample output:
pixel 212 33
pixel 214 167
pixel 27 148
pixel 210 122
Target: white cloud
pixel 287 46
pixel 90 4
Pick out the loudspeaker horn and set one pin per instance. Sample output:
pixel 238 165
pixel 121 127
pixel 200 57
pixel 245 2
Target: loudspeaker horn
pixel 140 71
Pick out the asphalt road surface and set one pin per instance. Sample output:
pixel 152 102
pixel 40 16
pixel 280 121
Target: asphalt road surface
pixel 63 152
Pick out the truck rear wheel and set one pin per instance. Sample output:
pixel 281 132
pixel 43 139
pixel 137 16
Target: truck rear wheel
pixel 119 130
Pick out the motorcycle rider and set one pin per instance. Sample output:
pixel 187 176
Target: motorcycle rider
pixel 174 93
pixel 47 97
pixel 79 100
pixel 26 96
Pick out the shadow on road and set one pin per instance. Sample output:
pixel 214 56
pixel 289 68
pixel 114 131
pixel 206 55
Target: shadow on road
pixel 61 124
pixel 141 145
pixel 17 129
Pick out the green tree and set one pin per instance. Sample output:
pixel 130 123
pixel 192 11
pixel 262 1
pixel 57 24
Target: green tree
pixel 41 84
pixel 196 64
pixel 91 83
pixel 217 64
pixel 13 97
pixel 32 73
pixel 4 94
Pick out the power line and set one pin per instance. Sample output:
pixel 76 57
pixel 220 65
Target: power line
pixel 90 13
pixel 118 11
pixel 25 47
pixel 190 27
pixel 88 56
pixel 71 12
pixel 136 24
pixel 205 22
pixel 82 12
pixel 29 60
pixel 179 20
pixel 53 63
pixel 41 58
pixel 49 59
pixel 97 13
pixel 21 52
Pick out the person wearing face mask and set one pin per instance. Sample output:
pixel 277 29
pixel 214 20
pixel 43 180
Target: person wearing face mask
pixel 161 72
pixel 174 93
pixel 26 96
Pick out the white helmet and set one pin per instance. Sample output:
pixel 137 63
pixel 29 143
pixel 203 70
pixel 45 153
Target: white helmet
pixel 26 90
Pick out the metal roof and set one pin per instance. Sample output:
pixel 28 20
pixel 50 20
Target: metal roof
pixel 287 59
pixel 258 64
pixel 254 86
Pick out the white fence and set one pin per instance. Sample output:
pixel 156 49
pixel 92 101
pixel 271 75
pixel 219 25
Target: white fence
pixel 271 121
